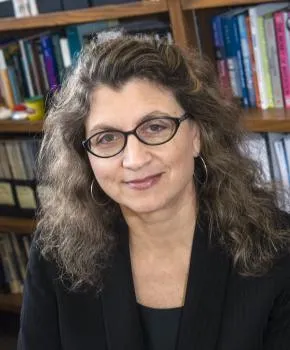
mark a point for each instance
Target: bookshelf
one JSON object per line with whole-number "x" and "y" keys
{"x": 202, "y": 4}
{"x": 185, "y": 28}
{"x": 17, "y": 225}
{"x": 10, "y": 302}
{"x": 82, "y": 16}
{"x": 23, "y": 126}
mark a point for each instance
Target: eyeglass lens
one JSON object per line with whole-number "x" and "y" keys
{"x": 152, "y": 132}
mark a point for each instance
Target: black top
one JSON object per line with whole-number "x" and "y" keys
{"x": 160, "y": 327}
{"x": 223, "y": 310}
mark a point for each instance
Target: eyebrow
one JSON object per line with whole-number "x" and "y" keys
{"x": 103, "y": 126}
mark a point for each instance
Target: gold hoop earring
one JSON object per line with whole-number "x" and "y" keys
{"x": 205, "y": 171}
{"x": 93, "y": 197}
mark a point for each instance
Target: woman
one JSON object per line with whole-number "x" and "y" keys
{"x": 155, "y": 230}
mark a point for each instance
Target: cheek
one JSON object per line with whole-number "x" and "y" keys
{"x": 102, "y": 169}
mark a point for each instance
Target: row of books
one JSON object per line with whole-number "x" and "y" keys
{"x": 35, "y": 66}
{"x": 252, "y": 46}
{"x": 18, "y": 193}
{"x": 14, "y": 253}
{"x": 272, "y": 152}
{"x": 24, "y": 8}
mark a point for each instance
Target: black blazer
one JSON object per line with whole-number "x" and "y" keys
{"x": 222, "y": 311}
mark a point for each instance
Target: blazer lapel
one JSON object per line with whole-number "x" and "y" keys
{"x": 121, "y": 319}
{"x": 206, "y": 288}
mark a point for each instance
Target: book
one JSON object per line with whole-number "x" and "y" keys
{"x": 283, "y": 35}
{"x": 21, "y": 8}
{"x": 272, "y": 55}
{"x": 220, "y": 55}
{"x": 49, "y": 60}
{"x": 9, "y": 265}
{"x": 245, "y": 48}
{"x": 27, "y": 73}
{"x": 231, "y": 49}
{"x": 6, "y": 87}
{"x": 263, "y": 74}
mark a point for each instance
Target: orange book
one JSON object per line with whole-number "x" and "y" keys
{"x": 255, "y": 79}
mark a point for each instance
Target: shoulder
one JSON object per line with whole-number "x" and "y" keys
{"x": 40, "y": 267}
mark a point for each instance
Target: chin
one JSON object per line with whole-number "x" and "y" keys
{"x": 145, "y": 206}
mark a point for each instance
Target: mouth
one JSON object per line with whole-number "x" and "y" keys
{"x": 144, "y": 183}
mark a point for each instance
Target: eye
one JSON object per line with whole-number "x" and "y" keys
{"x": 156, "y": 127}
{"x": 106, "y": 138}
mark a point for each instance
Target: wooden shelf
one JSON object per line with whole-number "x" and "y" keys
{"x": 22, "y": 126}
{"x": 17, "y": 225}
{"x": 96, "y": 13}
{"x": 10, "y": 302}
{"x": 203, "y": 4}
{"x": 271, "y": 120}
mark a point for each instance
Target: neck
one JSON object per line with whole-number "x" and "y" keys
{"x": 166, "y": 229}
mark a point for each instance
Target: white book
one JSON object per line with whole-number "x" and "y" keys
{"x": 282, "y": 162}
{"x": 33, "y": 7}
{"x": 21, "y": 8}
{"x": 66, "y": 57}
{"x": 254, "y": 14}
{"x": 15, "y": 160}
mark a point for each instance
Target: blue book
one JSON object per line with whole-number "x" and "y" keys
{"x": 231, "y": 49}
{"x": 220, "y": 54}
{"x": 14, "y": 85}
{"x": 49, "y": 61}
{"x": 237, "y": 43}
{"x": 244, "y": 40}
{"x": 74, "y": 41}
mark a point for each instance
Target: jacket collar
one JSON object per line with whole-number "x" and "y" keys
{"x": 205, "y": 294}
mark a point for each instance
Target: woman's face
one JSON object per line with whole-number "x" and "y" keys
{"x": 143, "y": 178}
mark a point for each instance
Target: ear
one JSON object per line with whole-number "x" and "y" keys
{"x": 195, "y": 140}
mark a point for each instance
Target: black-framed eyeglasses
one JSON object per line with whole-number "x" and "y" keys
{"x": 153, "y": 132}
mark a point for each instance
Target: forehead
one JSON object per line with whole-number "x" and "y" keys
{"x": 125, "y": 106}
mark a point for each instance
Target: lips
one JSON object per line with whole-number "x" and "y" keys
{"x": 144, "y": 183}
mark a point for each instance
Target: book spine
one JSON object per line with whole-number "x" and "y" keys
{"x": 14, "y": 85}
{"x": 49, "y": 60}
{"x": 220, "y": 55}
{"x": 26, "y": 69}
{"x": 19, "y": 256}
{"x": 280, "y": 26}
{"x": 247, "y": 59}
{"x": 9, "y": 265}
{"x": 265, "y": 63}
{"x": 33, "y": 67}
{"x": 33, "y": 7}
{"x": 237, "y": 42}
{"x": 18, "y": 72}
{"x": 273, "y": 61}
{"x": 74, "y": 41}
{"x": 65, "y": 52}
{"x": 58, "y": 55}
{"x": 253, "y": 62}
{"x": 281, "y": 156}
{"x": 6, "y": 85}
{"x": 231, "y": 55}
{"x": 264, "y": 102}
{"x": 21, "y": 8}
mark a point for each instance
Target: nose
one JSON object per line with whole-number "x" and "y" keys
{"x": 136, "y": 154}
